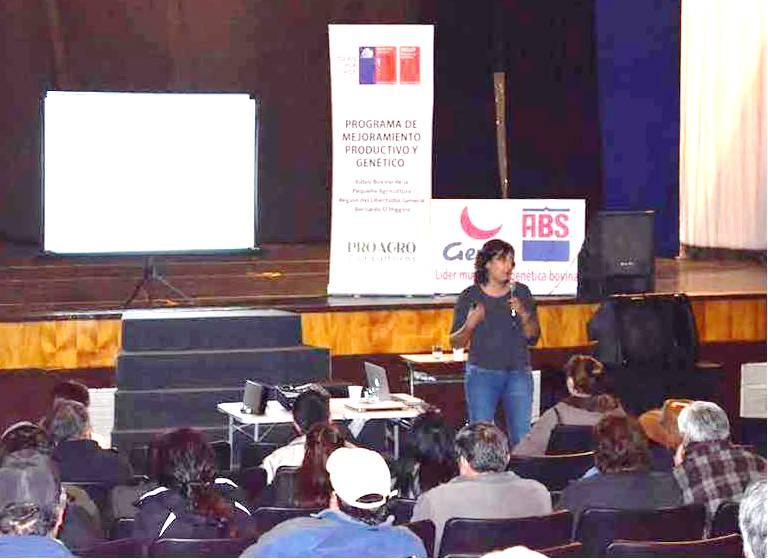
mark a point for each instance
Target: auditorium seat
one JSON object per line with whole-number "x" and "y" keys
{"x": 723, "y": 546}
{"x": 401, "y": 509}
{"x": 477, "y": 536}
{"x": 726, "y": 519}
{"x": 118, "y": 548}
{"x": 573, "y": 549}
{"x": 267, "y": 518}
{"x": 553, "y": 471}
{"x": 570, "y": 439}
{"x": 121, "y": 528}
{"x": 425, "y": 529}
{"x": 176, "y": 547}
{"x": 285, "y": 486}
{"x": 597, "y": 528}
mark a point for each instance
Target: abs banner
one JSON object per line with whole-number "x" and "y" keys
{"x": 546, "y": 235}
{"x": 382, "y": 96}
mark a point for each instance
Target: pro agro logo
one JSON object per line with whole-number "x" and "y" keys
{"x": 379, "y": 65}
{"x": 473, "y": 231}
{"x": 545, "y": 235}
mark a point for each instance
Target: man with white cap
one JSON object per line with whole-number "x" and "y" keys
{"x": 32, "y": 505}
{"x": 355, "y": 524}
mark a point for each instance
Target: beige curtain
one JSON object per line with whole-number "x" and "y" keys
{"x": 722, "y": 124}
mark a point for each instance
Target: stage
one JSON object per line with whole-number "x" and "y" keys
{"x": 64, "y": 312}
{"x": 61, "y": 317}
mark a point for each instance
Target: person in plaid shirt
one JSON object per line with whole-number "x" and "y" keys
{"x": 708, "y": 468}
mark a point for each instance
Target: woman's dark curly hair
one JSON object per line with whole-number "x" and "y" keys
{"x": 620, "y": 445}
{"x": 428, "y": 457}
{"x": 588, "y": 376}
{"x": 183, "y": 460}
{"x": 491, "y": 249}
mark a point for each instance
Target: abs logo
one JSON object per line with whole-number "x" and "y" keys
{"x": 545, "y": 235}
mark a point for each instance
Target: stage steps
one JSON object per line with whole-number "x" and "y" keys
{"x": 177, "y": 364}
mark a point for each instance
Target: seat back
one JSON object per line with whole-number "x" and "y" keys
{"x": 573, "y": 549}
{"x": 425, "y": 529}
{"x": 570, "y": 439}
{"x": 138, "y": 456}
{"x": 553, "y": 471}
{"x": 286, "y": 486}
{"x": 401, "y": 509}
{"x": 254, "y": 454}
{"x": 253, "y": 481}
{"x": 723, "y": 546}
{"x": 117, "y": 548}
{"x": 98, "y": 492}
{"x": 479, "y": 536}
{"x": 222, "y": 455}
{"x": 726, "y": 519}
{"x": 121, "y": 528}
{"x": 267, "y": 518}
{"x": 597, "y": 528}
{"x": 177, "y": 547}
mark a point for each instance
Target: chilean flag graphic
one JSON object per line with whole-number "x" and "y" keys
{"x": 378, "y": 65}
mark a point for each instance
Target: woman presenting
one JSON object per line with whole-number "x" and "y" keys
{"x": 497, "y": 318}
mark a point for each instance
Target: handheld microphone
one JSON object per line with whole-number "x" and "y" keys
{"x": 513, "y": 312}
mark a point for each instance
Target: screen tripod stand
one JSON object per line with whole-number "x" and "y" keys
{"x": 150, "y": 276}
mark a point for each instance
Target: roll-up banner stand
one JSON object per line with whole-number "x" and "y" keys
{"x": 382, "y": 98}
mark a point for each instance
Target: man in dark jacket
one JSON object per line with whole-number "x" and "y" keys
{"x": 80, "y": 458}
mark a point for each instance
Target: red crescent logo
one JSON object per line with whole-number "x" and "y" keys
{"x": 473, "y": 231}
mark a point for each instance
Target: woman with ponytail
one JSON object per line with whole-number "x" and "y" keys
{"x": 588, "y": 402}
{"x": 314, "y": 482}
{"x": 190, "y": 501}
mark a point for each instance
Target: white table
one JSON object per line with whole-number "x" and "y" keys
{"x": 275, "y": 414}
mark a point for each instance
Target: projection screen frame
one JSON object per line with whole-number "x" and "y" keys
{"x": 255, "y": 249}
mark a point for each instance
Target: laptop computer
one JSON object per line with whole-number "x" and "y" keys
{"x": 378, "y": 384}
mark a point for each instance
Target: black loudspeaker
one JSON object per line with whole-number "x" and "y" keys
{"x": 255, "y": 398}
{"x": 618, "y": 255}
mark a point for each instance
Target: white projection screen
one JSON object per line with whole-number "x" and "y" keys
{"x": 148, "y": 172}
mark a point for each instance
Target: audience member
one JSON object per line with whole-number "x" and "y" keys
{"x": 625, "y": 480}
{"x": 428, "y": 457}
{"x": 587, "y": 404}
{"x": 32, "y": 505}
{"x": 660, "y": 426}
{"x": 314, "y": 484}
{"x": 190, "y": 502}
{"x": 77, "y": 392}
{"x": 355, "y": 523}
{"x": 752, "y": 521}
{"x": 483, "y": 488}
{"x": 82, "y": 524}
{"x": 24, "y": 435}
{"x": 708, "y": 468}
{"x": 71, "y": 390}
{"x": 312, "y": 407}
{"x": 80, "y": 458}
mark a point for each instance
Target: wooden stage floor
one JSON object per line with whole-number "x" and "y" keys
{"x": 64, "y": 312}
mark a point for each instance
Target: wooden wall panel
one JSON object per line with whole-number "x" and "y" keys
{"x": 398, "y": 331}
{"x": 89, "y": 343}
{"x": 719, "y": 320}
{"x": 59, "y": 344}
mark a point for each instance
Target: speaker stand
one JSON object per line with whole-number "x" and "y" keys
{"x": 150, "y": 276}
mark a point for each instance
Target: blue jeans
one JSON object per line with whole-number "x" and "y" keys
{"x": 483, "y": 388}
